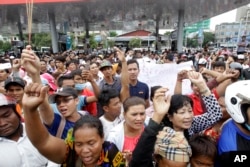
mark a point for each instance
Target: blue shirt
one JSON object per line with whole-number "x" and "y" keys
{"x": 140, "y": 90}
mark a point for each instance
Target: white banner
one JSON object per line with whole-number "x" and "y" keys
{"x": 164, "y": 75}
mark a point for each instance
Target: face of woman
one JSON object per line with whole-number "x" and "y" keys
{"x": 168, "y": 163}
{"x": 94, "y": 68}
{"x": 201, "y": 161}
{"x": 183, "y": 118}
{"x": 88, "y": 145}
{"x": 135, "y": 116}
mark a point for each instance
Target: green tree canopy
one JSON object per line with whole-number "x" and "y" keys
{"x": 112, "y": 34}
{"x": 5, "y": 46}
{"x": 208, "y": 37}
{"x": 135, "y": 43}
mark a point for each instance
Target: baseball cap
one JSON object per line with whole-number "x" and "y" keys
{"x": 50, "y": 79}
{"x": 6, "y": 100}
{"x": 241, "y": 56}
{"x": 235, "y": 65}
{"x": 14, "y": 80}
{"x": 105, "y": 63}
{"x": 65, "y": 91}
{"x": 172, "y": 145}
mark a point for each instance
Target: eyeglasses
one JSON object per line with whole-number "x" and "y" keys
{"x": 63, "y": 100}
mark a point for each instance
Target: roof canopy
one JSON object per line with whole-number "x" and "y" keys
{"x": 14, "y": 2}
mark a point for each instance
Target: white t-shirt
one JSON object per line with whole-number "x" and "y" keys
{"x": 108, "y": 125}
{"x": 21, "y": 154}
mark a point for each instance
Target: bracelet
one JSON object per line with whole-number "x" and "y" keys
{"x": 204, "y": 91}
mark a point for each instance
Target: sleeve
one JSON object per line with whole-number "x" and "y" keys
{"x": 213, "y": 114}
{"x": 82, "y": 102}
{"x": 147, "y": 92}
{"x": 55, "y": 125}
{"x": 142, "y": 154}
{"x": 212, "y": 84}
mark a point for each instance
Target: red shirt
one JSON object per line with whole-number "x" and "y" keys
{"x": 91, "y": 107}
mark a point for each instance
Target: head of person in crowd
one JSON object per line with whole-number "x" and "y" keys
{"x": 88, "y": 133}
{"x": 195, "y": 87}
{"x": 180, "y": 114}
{"x": 46, "y": 58}
{"x": 204, "y": 151}
{"x": 182, "y": 56}
{"x": 133, "y": 69}
{"x": 238, "y": 104}
{"x": 59, "y": 61}
{"x": 4, "y": 72}
{"x": 219, "y": 66}
{"x": 109, "y": 56}
{"x": 134, "y": 113}
{"x": 243, "y": 38}
{"x": 14, "y": 87}
{"x": 11, "y": 127}
{"x": 72, "y": 65}
{"x": 66, "y": 81}
{"x": 240, "y": 58}
{"x": 51, "y": 82}
{"x": 94, "y": 68}
{"x": 171, "y": 149}
{"x": 72, "y": 55}
{"x": 225, "y": 115}
{"x": 80, "y": 83}
{"x": 52, "y": 63}
{"x": 66, "y": 100}
{"x": 152, "y": 91}
{"x": 169, "y": 58}
{"x": 43, "y": 65}
{"x": 202, "y": 63}
{"x": 106, "y": 68}
{"x": 110, "y": 102}
{"x": 238, "y": 68}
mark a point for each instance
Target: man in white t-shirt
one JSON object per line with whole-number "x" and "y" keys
{"x": 111, "y": 105}
{"x": 16, "y": 148}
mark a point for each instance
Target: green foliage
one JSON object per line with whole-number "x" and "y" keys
{"x": 111, "y": 43}
{"x": 192, "y": 42}
{"x": 93, "y": 44}
{"x": 135, "y": 43}
{"x": 208, "y": 37}
{"x": 39, "y": 39}
{"x": 113, "y": 34}
{"x": 167, "y": 33}
{"x": 5, "y": 46}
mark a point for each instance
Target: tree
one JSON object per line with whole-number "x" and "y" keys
{"x": 208, "y": 37}
{"x": 92, "y": 42}
{"x": 112, "y": 34}
{"x": 111, "y": 43}
{"x": 192, "y": 42}
{"x": 135, "y": 43}
{"x": 5, "y": 46}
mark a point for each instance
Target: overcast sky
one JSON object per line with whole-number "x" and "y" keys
{"x": 227, "y": 17}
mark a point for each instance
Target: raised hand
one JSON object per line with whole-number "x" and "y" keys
{"x": 30, "y": 61}
{"x": 86, "y": 75}
{"x": 182, "y": 75}
{"x": 120, "y": 54}
{"x": 196, "y": 78}
{"x": 34, "y": 96}
{"x": 16, "y": 64}
{"x": 161, "y": 102}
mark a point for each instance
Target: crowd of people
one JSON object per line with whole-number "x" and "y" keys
{"x": 75, "y": 109}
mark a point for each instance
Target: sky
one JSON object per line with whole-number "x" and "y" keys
{"x": 227, "y": 17}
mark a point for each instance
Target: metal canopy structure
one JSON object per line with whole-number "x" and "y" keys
{"x": 116, "y": 14}
{"x": 106, "y": 11}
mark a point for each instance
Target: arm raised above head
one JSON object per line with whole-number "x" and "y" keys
{"x": 51, "y": 147}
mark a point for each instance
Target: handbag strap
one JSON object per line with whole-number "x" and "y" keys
{"x": 61, "y": 127}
